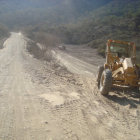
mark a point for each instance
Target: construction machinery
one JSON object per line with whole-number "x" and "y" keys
{"x": 120, "y": 68}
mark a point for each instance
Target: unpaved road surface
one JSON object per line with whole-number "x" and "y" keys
{"x": 80, "y": 59}
{"x": 43, "y": 101}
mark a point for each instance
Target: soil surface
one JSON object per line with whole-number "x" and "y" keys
{"x": 42, "y": 100}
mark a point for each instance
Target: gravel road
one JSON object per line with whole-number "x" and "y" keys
{"x": 44, "y": 101}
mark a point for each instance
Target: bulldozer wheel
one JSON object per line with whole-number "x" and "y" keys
{"x": 139, "y": 72}
{"x": 106, "y": 82}
{"x": 100, "y": 71}
{"x": 136, "y": 89}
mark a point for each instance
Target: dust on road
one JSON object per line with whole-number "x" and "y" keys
{"x": 43, "y": 101}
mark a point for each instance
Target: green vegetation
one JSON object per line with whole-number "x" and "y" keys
{"x": 119, "y": 20}
{"x": 23, "y": 13}
{"x": 4, "y": 33}
{"x": 88, "y": 22}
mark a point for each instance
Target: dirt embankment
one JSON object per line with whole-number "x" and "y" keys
{"x": 2, "y": 40}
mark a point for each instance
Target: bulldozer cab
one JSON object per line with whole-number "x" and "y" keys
{"x": 117, "y": 51}
{"x": 121, "y": 60}
{"x": 120, "y": 68}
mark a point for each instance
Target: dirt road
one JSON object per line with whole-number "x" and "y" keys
{"x": 80, "y": 59}
{"x": 43, "y": 101}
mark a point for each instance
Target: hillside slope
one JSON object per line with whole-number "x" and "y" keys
{"x": 118, "y": 20}
{"x": 89, "y": 22}
{"x": 30, "y": 12}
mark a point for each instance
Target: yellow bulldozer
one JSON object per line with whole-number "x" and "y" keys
{"x": 120, "y": 68}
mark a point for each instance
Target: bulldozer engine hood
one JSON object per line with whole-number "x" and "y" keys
{"x": 128, "y": 65}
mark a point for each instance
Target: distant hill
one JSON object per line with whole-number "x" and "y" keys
{"x": 31, "y": 12}
{"x": 117, "y": 19}
{"x": 89, "y": 22}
